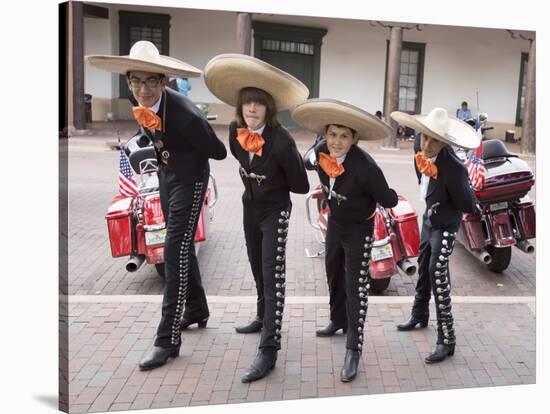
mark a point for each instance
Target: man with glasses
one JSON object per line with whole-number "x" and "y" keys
{"x": 184, "y": 141}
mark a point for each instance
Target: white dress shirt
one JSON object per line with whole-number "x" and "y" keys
{"x": 425, "y": 182}
{"x": 258, "y": 131}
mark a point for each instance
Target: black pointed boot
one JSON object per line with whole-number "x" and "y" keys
{"x": 262, "y": 364}
{"x": 254, "y": 326}
{"x": 351, "y": 361}
{"x": 440, "y": 352}
{"x": 158, "y": 357}
{"x": 415, "y": 319}
{"x": 330, "y": 329}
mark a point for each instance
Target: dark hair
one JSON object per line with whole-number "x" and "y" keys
{"x": 160, "y": 75}
{"x": 379, "y": 114}
{"x": 247, "y": 95}
{"x": 353, "y": 131}
{"x": 464, "y": 103}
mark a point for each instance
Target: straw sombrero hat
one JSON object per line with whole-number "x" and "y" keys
{"x": 316, "y": 114}
{"x": 225, "y": 75}
{"x": 145, "y": 57}
{"x": 439, "y": 125}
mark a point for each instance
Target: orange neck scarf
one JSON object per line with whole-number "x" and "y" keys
{"x": 425, "y": 165}
{"x": 330, "y": 165}
{"x": 146, "y": 118}
{"x": 250, "y": 141}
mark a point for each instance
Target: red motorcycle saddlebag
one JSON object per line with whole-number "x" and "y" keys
{"x": 406, "y": 225}
{"x": 472, "y": 229}
{"x": 526, "y": 220}
{"x": 119, "y": 225}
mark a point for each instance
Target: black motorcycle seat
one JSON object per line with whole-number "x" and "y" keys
{"x": 138, "y": 155}
{"x": 494, "y": 148}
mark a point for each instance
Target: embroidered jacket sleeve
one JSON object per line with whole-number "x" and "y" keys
{"x": 375, "y": 182}
{"x": 202, "y": 137}
{"x": 459, "y": 189}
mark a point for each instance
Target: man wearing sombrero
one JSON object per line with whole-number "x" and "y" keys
{"x": 270, "y": 168}
{"x": 184, "y": 142}
{"x": 353, "y": 184}
{"x": 445, "y": 187}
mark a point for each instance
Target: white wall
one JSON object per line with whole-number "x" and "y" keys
{"x": 458, "y": 61}
{"x": 461, "y": 61}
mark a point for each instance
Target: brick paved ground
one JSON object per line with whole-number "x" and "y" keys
{"x": 108, "y": 340}
{"x": 496, "y": 341}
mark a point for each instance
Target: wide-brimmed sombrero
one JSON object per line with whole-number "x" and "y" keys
{"x": 316, "y": 114}
{"x": 144, "y": 57}
{"x": 439, "y": 125}
{"x": 225, "y": 75}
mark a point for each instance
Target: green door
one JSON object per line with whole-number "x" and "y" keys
{"x": 299, "y": 66}
{"x": 296, "y": 50}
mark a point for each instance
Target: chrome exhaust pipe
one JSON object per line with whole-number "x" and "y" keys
{"x": 407, "y": 266}
{"x": 525, "y": 246}
{"x": 134, "y": 263}
{"x": 483, "y": 256}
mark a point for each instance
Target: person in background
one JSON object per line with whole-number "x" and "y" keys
{"x": 184, "y": 86}
{"x": 464, "y": 112}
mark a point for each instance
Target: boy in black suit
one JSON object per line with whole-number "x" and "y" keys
{"x": 445, "y": 187}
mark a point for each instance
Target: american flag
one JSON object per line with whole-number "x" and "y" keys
{"x": 126, "y": 183}
{"x": 476, "y": 166}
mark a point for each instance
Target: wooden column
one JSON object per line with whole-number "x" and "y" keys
{"x": 244, "y": 33}
{"x": 529, "y": 133}
{"x": 392, "y": 85}
{"x": 77, "y": 34}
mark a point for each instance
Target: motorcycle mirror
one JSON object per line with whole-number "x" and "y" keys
{"x": 310, "y": 160}
{"x": 483, "y": 117}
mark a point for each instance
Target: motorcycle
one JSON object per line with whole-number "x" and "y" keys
{"x": 396, "y": 234}
{"x": 136, "y": 223}
{"x": 506, "y": 215}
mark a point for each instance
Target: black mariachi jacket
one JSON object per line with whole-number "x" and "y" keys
{"x": 278, "y": 171}
{"x": 362, "y": 184}
{"x": 451, "y": 190}
{"x": 188, "y": 137}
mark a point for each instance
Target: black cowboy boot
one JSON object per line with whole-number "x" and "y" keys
{"x": 262, "y": 364}
{"x": 330, "y": 329}
{"x": 415, "y": 319}
{"x": 185, "y": 323}
{"x": 440, "y": 352}
{"x": 349, "y": 370}
{"x": 254, "y": 326}
{"x": 158, "y": 357}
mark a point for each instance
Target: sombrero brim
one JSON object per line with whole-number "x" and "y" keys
{"x": 459, "y": 134}
{"x": 165, "y": 65}
{"x": 225, "y": 75}
{"x": 316, "y": 114}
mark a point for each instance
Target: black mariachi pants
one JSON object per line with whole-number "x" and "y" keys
{"x": 265, "y": 234}
{"x": 181, "y": 204}
{"x": 347, "y": 258}
{"x": 436, "y": 246}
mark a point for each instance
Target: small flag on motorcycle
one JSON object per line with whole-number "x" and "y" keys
{"x": 475, "y": 164}
{"x": 126, "y": 184}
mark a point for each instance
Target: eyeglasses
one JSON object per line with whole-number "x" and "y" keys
{"x": 151, "y": 82}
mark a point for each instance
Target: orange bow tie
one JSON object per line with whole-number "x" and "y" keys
{"x": 330, "y": 166}
{"x": 250, "y": 141}
{"x": 146, "y": 118}
{"x": 425, "y": 165}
